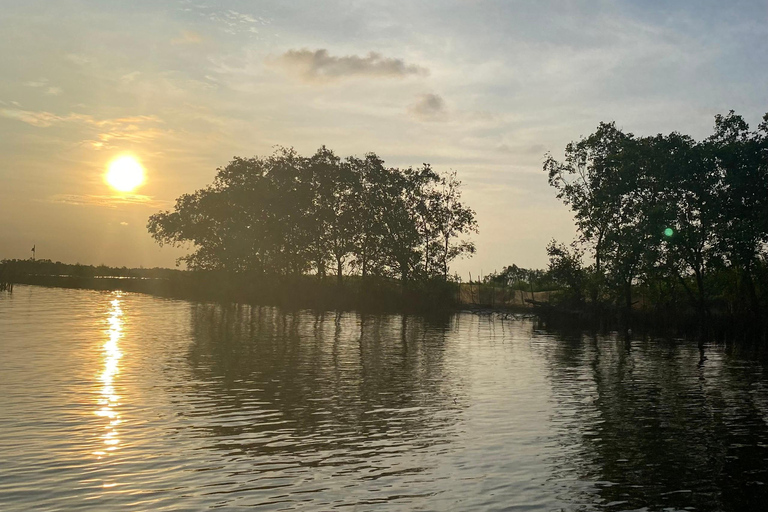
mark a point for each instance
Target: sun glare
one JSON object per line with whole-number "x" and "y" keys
{"x": 125, "y": 174}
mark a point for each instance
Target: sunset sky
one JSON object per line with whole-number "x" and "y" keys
{"x": 481, "y": 87}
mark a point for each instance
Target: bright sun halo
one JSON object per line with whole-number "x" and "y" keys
{"x": 125, "y": 174}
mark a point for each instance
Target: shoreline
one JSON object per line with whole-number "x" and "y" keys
{"x": 379, "y": 296}
{"x": 424, "y": 298}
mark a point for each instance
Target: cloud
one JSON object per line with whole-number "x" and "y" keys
{"x": 114, "y": 132}
{"x": 43, "y": 82}
{"x": 233, "y": 22}
{"x": 187, "y": 37}
{"x": 243, "y": 18}
{"x": 104, "y": 133}
{"x": 37, "y": 83}
{"x": 429, "y": 107}
{"x": 319, "y": 65}
{"x": 76, "y": 58}
{"x": 107, "y": 201}
{"x": 130, "y": 77}
{"x": 39, "y": 119}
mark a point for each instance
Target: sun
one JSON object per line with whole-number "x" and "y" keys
{"x": 125, "y": 174}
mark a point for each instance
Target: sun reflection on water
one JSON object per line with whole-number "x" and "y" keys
{"x": 108, "y": 399}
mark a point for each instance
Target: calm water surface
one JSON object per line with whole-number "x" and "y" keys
{"x": 113, "y": 401}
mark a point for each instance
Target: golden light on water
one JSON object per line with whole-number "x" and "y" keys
{"x": 108, "y": 399}
{"x": 125, "y": 174}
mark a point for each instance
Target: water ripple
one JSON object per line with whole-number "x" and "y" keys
{"x": 124, "y": 401}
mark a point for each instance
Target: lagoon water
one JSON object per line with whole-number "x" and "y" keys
{"x": 115, "y": 401}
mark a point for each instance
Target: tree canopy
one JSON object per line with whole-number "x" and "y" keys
{"x": 290, "y": 214}
{"x": 668, "y": 210}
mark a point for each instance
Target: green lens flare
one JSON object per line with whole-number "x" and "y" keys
{"x": 669, "y": 232}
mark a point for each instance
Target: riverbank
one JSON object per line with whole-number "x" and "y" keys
{"x": 376, "y": 295}
{"x": 300, "y": 292}
{"x": 380, "y": 295}
{"x": 373, "y": 294}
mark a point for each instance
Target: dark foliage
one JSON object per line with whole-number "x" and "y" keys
{"x": 676, "y": 227}
{"x": 289, "y": 215}
{"x": 15, "y": 268}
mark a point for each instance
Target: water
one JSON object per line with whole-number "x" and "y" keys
{"x": 112, "y": 401}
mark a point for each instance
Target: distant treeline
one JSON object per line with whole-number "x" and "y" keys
{"x": 11, "y": 268}
{"x": 290, "y": 215}
{"x": 524, "y": 279}
{"x": 674, "y": 227}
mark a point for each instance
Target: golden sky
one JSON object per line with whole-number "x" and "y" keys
{"x": 485, "y": 88}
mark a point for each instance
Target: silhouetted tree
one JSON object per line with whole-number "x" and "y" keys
{"x": 740, "y": 160}
{"x": 566, "y": 268}
{"x": 451, "y": 219}
{"x": 370, "y": 179}
{"x": 654, "y": 208}
{"x": 288, "y": 214}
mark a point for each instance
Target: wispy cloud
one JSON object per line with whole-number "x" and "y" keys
{"x": 79, "y": 59}
{"x": 429, "y": 107}
{"x": 187, "y": 37}
{"x": 319, "y": 65}
{"x": 37, "y": 83}
{"x": 232, "y": 22}
{"x": 40, "y": 119}
{"x": 134, "y": 129}
{"x": 43, "y": 82}
{"x": 105, "y": 133}
{"x": 107, "y": 201}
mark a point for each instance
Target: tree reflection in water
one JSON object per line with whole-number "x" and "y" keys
{"x": 366, "y": 403}
{"x": 364, "y": 394}
{"x": 650, "y": 426}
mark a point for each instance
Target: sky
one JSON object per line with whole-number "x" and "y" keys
{"x": 485, "y": 88}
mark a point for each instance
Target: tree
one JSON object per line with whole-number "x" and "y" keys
{"x": 404, "y": 195}
{"x": 652, "y": 208}
{"x": 288, "y": 214}
{"x": 740, "y": 160}
{"x": 333, "y": 208}
{"x": 451, "y": 219}
{"x": 580, "y": 183}
{"x": 256, "y": 216}
{"x": 601, "y": 181}
{"x": 370, "y": 179}
{"x": 567, "y": 269}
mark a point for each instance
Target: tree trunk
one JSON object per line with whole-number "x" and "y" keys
{"x": 595, "y": 292}
{"x": 628, "y": 301}
{"x": 445, "y": 259}
{"x": 703, "y": 307}
{"x": 749, "y": 283}
{"x": 320, "y": 268}
{"x": 364, "y": 257}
